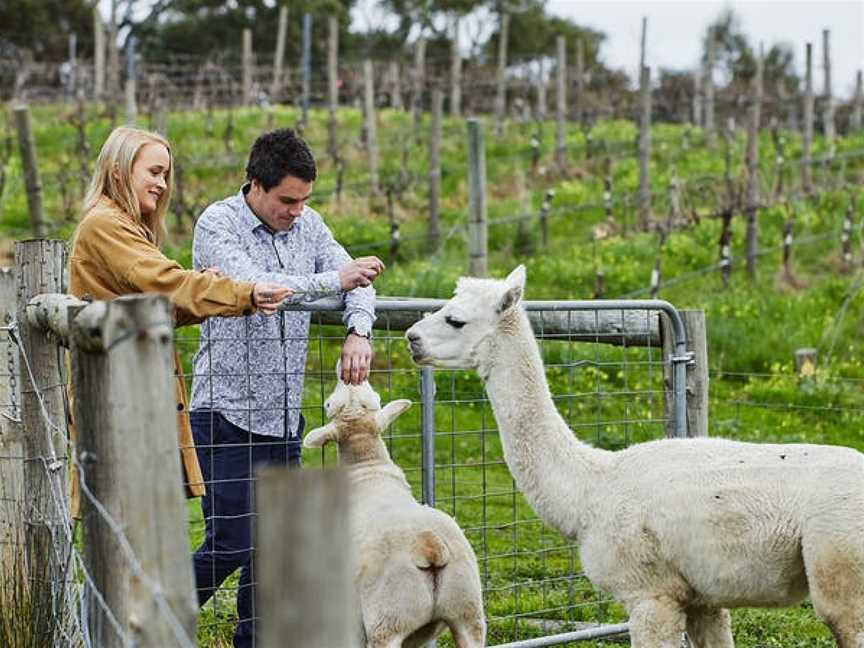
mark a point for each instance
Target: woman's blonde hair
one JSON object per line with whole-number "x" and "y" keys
{"x": 113, "y": 178}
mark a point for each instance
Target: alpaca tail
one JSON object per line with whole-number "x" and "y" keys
{"x": 430, "y": 553}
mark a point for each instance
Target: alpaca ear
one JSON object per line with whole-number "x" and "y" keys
{"x": 319, "y": 437}
{"x": 515, "y": 283}
{"x": 391, "y": 412}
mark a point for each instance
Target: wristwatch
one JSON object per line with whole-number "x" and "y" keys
{"x": 353, "y": 329}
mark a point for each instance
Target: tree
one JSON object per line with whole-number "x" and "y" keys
{"x": 43, "y": 27}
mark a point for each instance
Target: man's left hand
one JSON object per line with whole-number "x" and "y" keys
{"x": 356, "y": 359}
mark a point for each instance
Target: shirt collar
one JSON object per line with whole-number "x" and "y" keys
{"x": 251, "y": 221}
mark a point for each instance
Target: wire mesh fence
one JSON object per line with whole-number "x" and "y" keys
{"x": 606, "y": 372}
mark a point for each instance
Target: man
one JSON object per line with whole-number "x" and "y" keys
{"x": 248, "y": 372}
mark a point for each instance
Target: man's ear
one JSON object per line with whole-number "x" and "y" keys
{"x": 390, "y": 412}
{"x": 319, "y": 437}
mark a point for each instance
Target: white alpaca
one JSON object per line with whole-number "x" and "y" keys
{"x": 416, "y": 573}
{"x": 678, "y": 530}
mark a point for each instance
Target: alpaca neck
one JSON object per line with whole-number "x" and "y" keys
{"x": 552, "y": 468}
{"x": 367, "y": 458}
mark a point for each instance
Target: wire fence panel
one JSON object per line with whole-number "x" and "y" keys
{"x": 606, "y": 373}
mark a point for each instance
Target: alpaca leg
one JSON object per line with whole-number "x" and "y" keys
{"x": 835, "y": 574}
{"x": 709, "y": 628}
{"x": 656, "y": 623}
{"x": 470, "y": 634}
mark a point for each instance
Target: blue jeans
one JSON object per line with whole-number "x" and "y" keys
{"x": 229, "y": 456}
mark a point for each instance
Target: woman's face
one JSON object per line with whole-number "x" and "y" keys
{"x": 150, "y": 176}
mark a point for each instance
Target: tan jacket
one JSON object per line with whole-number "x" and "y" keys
{"x": 112, "y": 255}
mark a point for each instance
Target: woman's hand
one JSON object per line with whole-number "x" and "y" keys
{"x": 266, "y": 297}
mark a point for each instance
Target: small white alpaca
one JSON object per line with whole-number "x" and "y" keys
{"x": 678, "y": 530}
{"x": 415, "y": 573}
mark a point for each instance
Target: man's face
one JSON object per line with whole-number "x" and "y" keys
{"x": 283, "y": 204}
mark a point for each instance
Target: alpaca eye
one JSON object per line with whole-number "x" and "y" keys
{"x": 454, "y": 322}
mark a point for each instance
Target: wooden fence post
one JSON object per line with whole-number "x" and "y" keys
{"x": 477, "y": 223}
{"x": 455, "y": 69}
{"x": 98, "y": 55}
{"x": 131, "y": 82}
{"x": 332, "y": 84}
{"x": 395, "y": 86}
{"x": 434, "y": 230}
{"x": 305, "y": 595}
{"x": 32, "y": 181}
{"x": 279, "y": 56}
{"x": 708, "y": 80}
{"x": 828, "y": 112}
{"x": 11, "y": 450}
{"x": 807, "y": 135}
{"x": 306, "y": 67}
{"x": 561, "y": 105}
{"x": 113, "y": 88}
{"x": 419, "y": 82}
{"x": 501, "y": 80}
{"x": 752, "y": 163}
{"x": 697, "y": 373}
{"x": 39, "y": 267}
{"x": 247, "y": 66}
{"x": 122, "y": 359}
{"x": 645, "y": 149}
{"x": 542, "y": 108}
{"x": 371, "y": 124}
{"x": 857, "y": 103}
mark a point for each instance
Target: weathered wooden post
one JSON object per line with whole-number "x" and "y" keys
{"x": 561, "y": 105}
{"x": 113, "y": 88}
{"x": 708, "y": 88}
{"x": 645, "y": 149}
{"x": 135, "y": 542}
{"x": 247, "y": 66}
{"x": 12, "y": 502}
{"x": 98, "y": 55}
{"x": 39, "y": 266}
{"x": 395, "y": 87}
{"x": 752, "y": 163}
{"x": 477, "y": 223}
{"x": 857, "y": 103}
{"x": 131, "y": 87}
{"x": 419, "y": 83}
{"x": 501, "y": 80}
{"x": 332, "y": 84}
{"x": 293, "y": 586}
{"x": 371, "y": 124}
{"x": 542, "y": 108}
{"x": 434, "y": 229}
{"x": 306, "y": 66}
{"x": 697, "y": 373}
{"x": 696, "y": 99}
{"x": 32, "y": 181}
{"x": 279, "y": 56}
{"x": 455, "y": 68}
{"x": 828, "y": 108}
{"x": 807, "y": 135}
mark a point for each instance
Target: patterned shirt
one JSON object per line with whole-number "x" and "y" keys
{"x": 250, "y": 369}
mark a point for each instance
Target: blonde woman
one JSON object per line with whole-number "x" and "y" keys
{"x": 115, "y": 251}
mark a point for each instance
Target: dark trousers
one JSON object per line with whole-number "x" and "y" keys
{"x": 229, "y": 456}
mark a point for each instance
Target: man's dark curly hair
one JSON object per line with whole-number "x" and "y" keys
{"x": 277, "y": 154}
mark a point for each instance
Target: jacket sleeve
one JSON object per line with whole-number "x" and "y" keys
{"x": 139, "y": 266}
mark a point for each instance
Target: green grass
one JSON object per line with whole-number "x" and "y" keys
{"x": 754, "y": 325}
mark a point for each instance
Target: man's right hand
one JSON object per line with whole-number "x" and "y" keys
{"x": 360, "y": 272}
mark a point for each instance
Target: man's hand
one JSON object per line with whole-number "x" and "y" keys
{"x": 360, "y": 272}
{"x": 268, "y": 296}
{"x": 356, "y": 359}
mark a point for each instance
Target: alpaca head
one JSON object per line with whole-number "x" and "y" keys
{"x": 455, "y": 335}
{"x": 355, "y": 415}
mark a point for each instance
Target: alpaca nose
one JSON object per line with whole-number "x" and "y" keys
{"x": 411, "y": 336}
